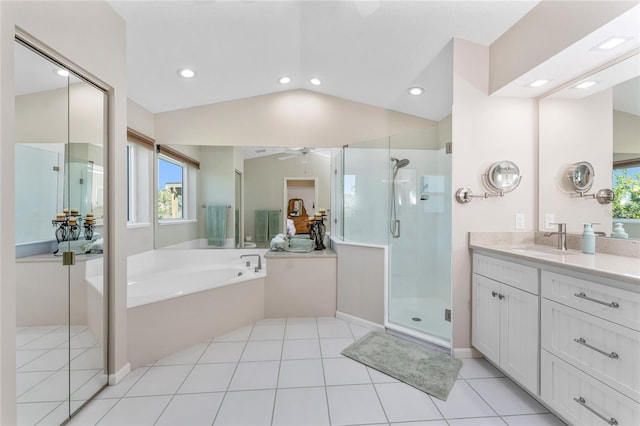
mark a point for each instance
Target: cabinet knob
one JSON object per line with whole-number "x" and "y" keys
{"x": 500, "y": 296}
{"x": 494, "y": 293}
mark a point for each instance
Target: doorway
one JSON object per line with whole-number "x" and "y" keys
{"x": 300, "y": 201}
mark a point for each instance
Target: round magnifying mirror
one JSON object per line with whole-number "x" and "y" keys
{"x": 581, "y": 176}
{"x": 503, "y": 176}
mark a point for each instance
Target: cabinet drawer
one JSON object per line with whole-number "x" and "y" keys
{"x": 516, "y": 275}
{"x": 610, "y": 303}
{"x": 562, "y": 384}
{"x": 607, "y": 351}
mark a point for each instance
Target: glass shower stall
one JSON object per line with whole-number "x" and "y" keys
{"x": 395, "y": 192}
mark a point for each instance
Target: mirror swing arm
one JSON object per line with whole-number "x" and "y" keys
{"x": 500, "y": 178}
{"x": 580, "y": 176}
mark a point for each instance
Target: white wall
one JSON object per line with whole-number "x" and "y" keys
{"x": 574, "y": 130}
{"x": 626, "y": 134}
{"x": 485, "y": 130}
{"x": 92, "y": 37}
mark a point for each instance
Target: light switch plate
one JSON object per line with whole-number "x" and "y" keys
{"x": 519, "y": 220}
{"x": 549, "y": 219}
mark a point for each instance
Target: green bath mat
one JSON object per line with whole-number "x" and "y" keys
{"x": 430, "y": 371}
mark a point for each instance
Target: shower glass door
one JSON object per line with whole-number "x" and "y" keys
{"x": 419, "y": 238}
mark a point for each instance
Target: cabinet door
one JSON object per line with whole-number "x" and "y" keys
{"x": 519, "y": 346}
{"x": 485, "y": 330}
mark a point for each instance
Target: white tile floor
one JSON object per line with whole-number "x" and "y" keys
{"x": 42, "y": 377}
{"x": 290, "y": 372}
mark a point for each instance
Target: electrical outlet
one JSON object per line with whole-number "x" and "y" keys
{"x": 549, "y": 220}
{"x": 519, "y": 220}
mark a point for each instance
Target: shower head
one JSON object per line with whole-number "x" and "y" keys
{"x": 400, "y": 163}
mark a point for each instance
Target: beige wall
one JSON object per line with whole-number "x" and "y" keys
{"x": 92, "y": 36}
{"x": 485, "y": 129}
{"x": 361, "y": 289}
{"x": 140, "y": 237}
{"x": 546, "y": 30}
{"x": 217, "y": 184}
{"x": 292, "y": 119}
{"x": 264, "y": 184}
{"x": 573, "y": 131}
{"x": 626, "y": 134}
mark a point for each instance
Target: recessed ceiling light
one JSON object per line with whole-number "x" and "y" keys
{"x": 62, "y": 72}
{"x": 315, "y": 81}
{"x": 537, "y": 83}
{"x": 415, "y": 91}
{"x": 612, "y": 43}
{"x": 284, "y": 80}
{"x": 186, "y": 73}
{"x": 584, "y": 85}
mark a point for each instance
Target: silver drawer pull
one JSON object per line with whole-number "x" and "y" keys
{"x": 583, "y": 342}
{"x": 580, "y": 400}
{"x": 584, "y": 296}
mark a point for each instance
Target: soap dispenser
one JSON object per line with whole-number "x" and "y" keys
{"x": 588, "y": 239}
{"x": 618, "y": 231}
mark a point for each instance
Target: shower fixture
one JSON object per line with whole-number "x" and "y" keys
{"x": 394, "y": 225}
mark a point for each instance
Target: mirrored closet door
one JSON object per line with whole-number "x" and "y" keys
{"x": 61, "y": 298}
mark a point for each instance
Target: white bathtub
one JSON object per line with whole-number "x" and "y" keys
{"x": 162, "y": 274}
{"x": 177, "y": 298}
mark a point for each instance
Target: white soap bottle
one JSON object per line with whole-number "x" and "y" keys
{"x": 588, "y": 239}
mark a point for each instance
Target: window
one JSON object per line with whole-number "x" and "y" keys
{"x": 176, "y": 190}
{"x": 171, "y": 183}
{"x": 626, "y": 189}
{"x": 139, "y": 178}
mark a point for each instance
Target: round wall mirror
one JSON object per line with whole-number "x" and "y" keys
{"x": 581, "y": 176}
{"x": 503, "y": 176}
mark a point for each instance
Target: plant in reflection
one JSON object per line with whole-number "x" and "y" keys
{"x": 626, "y": 188}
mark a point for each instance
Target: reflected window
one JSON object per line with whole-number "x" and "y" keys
{"x": 171, "y": 187}
{"x": 626, "y": 189}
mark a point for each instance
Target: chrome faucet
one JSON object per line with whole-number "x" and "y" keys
{"x": 562, "y": 235}
{"x": 259, "y": 267}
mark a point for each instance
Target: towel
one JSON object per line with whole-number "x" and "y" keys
{"x": 216, "y": 225}
{"x": 274, "y": 222}
{"x": 262, "y": 225}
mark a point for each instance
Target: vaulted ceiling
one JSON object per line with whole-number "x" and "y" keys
{"x": 365, "y": 51}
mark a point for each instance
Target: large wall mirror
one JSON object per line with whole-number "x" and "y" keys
{"x": 247, "y": 180}
{"x": 60, "y": 177}
{"x": 595, "y": 120}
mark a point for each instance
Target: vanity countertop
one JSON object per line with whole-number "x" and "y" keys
{"x": 315, "y": 254}
{"x": 619, "y": 268}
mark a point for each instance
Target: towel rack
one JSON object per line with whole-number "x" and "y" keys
{"x": 204, "y": 206}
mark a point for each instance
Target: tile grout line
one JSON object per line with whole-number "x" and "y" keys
{"x": 324, "y": 376}
{"x": 275, "y": 393}
{"x": 193, "y": 366}
{"x": 246, "y": 342}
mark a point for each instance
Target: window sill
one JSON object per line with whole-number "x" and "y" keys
{"x": 164, "y": 222}
{"x": 137, "y": 225}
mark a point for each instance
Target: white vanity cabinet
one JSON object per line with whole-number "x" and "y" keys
{"x": 505, "y": 324}
{"x": 590, "y": 339}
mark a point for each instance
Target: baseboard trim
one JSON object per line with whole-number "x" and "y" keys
{"x": 464, "y": 353}
{"x": 114, "y": 379}
{"x": 359, "y": 321}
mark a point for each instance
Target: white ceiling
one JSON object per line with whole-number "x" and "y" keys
{"x": 369, "y": 52}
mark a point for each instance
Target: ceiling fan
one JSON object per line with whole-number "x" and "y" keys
{"x": 301, "y": 153}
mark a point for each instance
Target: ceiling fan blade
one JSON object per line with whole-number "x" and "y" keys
{"x": 287, "y": 157}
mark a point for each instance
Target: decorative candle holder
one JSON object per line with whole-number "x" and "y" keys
{"x": 69, "y": 223}
{"x": 317, "y": 229}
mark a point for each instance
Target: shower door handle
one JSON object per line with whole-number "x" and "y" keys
{"x": 396, "y": 228}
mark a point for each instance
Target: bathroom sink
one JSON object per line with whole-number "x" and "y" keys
{"x": 543, "y": 251}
